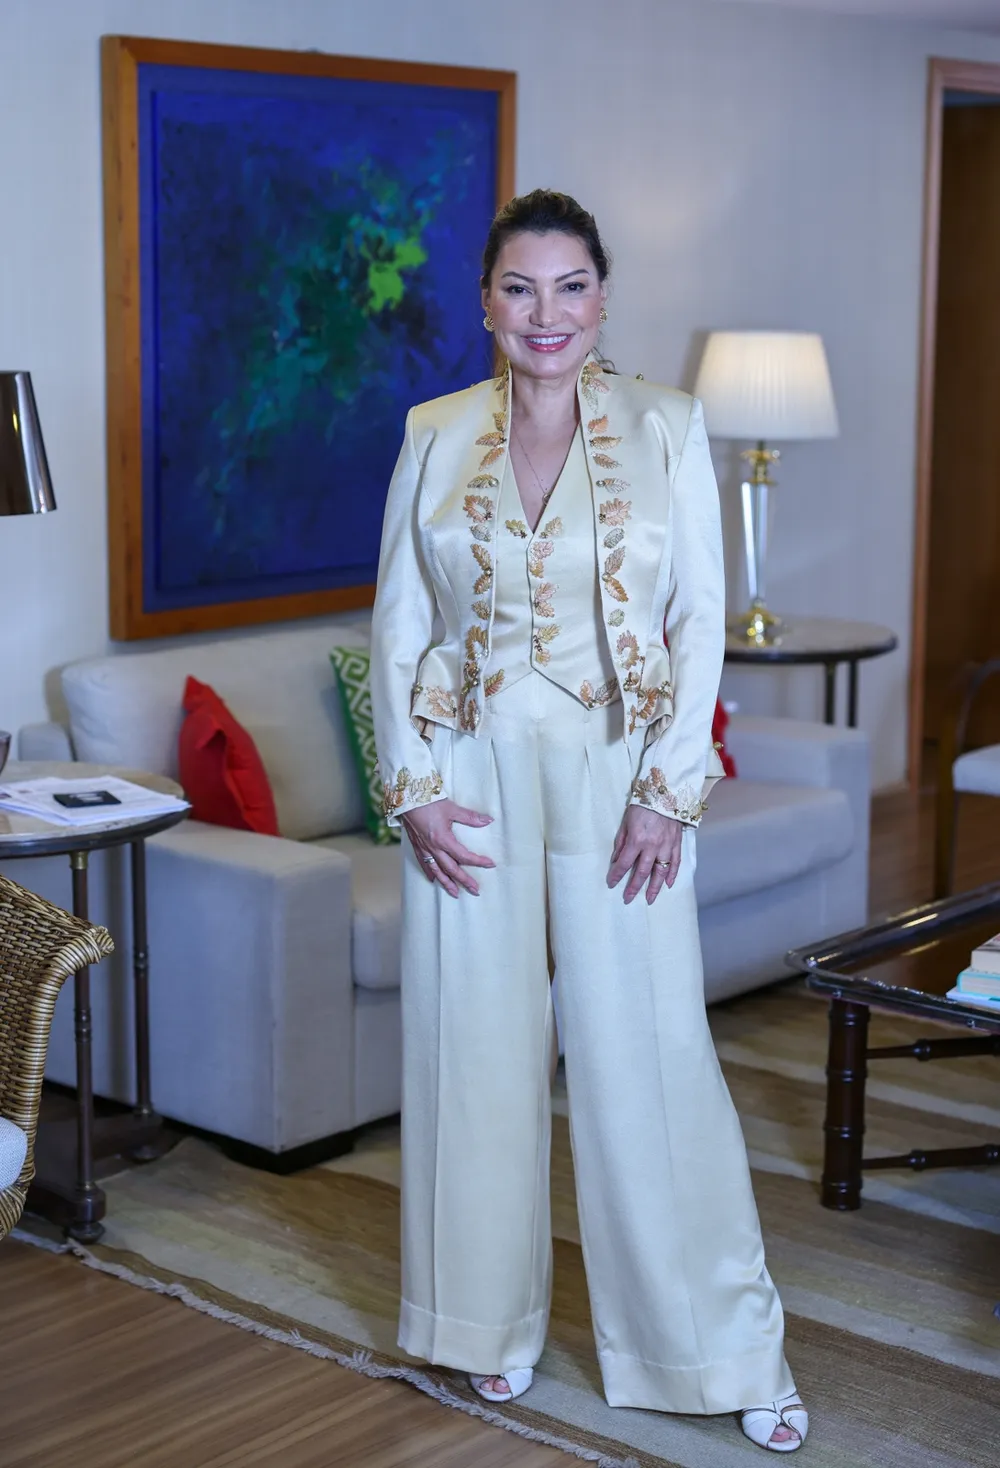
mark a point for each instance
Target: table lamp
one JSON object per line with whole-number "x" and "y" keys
{"x": 764, "y": 385}
{"x": 25, "y": 485}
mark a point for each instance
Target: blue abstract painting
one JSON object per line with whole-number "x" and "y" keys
{"x": 309, "y": 261}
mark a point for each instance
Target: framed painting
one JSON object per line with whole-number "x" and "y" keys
{"x": 292, "y": 246}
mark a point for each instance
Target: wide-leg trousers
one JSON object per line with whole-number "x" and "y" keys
{"x": 685, "y": 1315}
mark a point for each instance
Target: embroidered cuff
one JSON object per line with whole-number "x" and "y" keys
{"x": 685, "y": 804}
{"x": 408, "y": 791}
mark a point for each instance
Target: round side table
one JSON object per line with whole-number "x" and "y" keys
{"x": 64, "y": 1189}
{"x": 824, "y": 641}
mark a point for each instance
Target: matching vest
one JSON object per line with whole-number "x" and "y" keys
{"x": 547, "y": 610}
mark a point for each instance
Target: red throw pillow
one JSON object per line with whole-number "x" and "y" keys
{"x": 720, "y": 724}
{"x": 220, "y": 769}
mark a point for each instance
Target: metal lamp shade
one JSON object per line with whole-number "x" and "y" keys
{"x": 25, "y": 485}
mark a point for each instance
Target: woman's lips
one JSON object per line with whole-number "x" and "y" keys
{"x": 552, "y": 343}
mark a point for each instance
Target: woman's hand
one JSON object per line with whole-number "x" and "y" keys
{"x": 649, "y": 846}
{"x": 439, "y": 850}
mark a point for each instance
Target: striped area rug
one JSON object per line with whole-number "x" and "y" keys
{"x": 891, "y": 1333}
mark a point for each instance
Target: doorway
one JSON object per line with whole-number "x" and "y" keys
{"x": 956, "y": 608}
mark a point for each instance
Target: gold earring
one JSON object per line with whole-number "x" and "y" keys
{"x": 488, "y": 322}
{"x": 604, "y": 315}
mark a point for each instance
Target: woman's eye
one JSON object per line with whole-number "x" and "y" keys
{"x": 577, "y": 285}
{"x": 514, "y": 290}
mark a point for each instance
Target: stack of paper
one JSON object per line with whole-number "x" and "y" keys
{"x": 131, "y": 802}
{"x": 980, "y": 982}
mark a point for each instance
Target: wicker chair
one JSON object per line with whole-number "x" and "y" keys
{"x": 40, "y": 946}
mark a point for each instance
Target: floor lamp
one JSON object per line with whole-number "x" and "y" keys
{"x": 763, "y": 385}
{"x": 25, "y": 484}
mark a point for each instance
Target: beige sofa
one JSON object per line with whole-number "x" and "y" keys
{"x": 275, "y": 961}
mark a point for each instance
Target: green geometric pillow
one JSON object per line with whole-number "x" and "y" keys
{"x": 352, "y": 666}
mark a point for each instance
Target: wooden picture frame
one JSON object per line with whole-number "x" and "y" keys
{"x": 144, "y": 531}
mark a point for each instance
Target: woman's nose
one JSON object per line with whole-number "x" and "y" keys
{"x": 544, "y": 311}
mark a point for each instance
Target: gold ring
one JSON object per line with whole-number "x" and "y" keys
{"x": 658, "y": 863}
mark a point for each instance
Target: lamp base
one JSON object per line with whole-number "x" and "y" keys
{"x": 757, "y": 625}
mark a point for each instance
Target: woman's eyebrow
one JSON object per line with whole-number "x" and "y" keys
{"x": 581, "y": 270}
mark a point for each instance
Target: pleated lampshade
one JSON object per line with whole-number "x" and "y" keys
{"x": 766, "y": 385}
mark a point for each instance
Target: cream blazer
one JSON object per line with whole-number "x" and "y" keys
{"x": 658, "y": 556}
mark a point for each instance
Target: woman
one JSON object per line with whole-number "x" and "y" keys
{"x": 540, "y": 529}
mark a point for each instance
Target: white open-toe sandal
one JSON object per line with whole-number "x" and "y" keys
{"x": 503, "y": 1387}
{"x": 759, "y": 1423}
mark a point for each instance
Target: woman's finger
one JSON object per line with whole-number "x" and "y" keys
{"x": 467, "y": 817}
{"x": 623, "y": 862}
{"x": 449, "y": 868}
{"x": 640, "y": 875}
{"x": 657, "y": 878}
{"x": 461, "y": 853}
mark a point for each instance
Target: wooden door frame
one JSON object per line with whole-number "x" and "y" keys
{"x": 944, "y": 76}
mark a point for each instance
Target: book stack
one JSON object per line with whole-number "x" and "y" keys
{"x": 980, "y": 982}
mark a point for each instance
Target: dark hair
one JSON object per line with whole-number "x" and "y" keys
{"x": 544, "y": 211}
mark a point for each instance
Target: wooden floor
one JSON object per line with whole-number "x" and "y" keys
{"x": 98, "y": 1374}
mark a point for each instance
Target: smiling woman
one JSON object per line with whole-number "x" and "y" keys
{"x": 542, "y": 530}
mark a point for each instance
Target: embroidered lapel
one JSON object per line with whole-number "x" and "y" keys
{"x": 488, "y": 461}
{"x": 613, "y": 512}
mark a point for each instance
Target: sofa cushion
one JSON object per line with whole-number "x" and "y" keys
{"x": 376, "y": 903}
{"x": 126, "y": 710}
{"x": 753, "y": 836}
{"x": 220, "y": 769}
{"x": 352, "y": 667}
{"x": 756, "y": 835}
{"x": 978, "y": 772}
{"x": 13, "y": 1151}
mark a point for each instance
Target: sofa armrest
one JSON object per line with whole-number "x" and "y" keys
{"x": 799, "y": 752}
{"x": 44, "y": 741}
{"x": 251, "y": 992}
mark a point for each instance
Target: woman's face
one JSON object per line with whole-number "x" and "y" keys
{"x": 545, "y": 300}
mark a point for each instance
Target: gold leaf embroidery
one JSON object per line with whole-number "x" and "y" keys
{"x": 493, "y": 440}
{"x": 616, "y": 618}
{"x": 490, "y": 457}
{"x": 469, "y": 714}
{"x": 479, "y": 508}
{"x": 605, "y": 461}
{"x": 614, "y": 561}
{"x": 542, "y": 599}
{"x": 628, "y": 650}
{"x": 653, "y": 790}
{"x": 442, "y": 702}
{"x": 539, "y": 640}
{"x": 409, "y": 790}
{"x": 598, "y": 697}
{"x": 482, "y": 610}
{"x": 598, "y": 425}
{"x": 614, "y": 512}
{"x": 475, "y": 639}
{"x": 604, "y": 440}
{"x": 553, "y": 528}
{"x": 494, "y": 683}
{"x": 481, "y": 533}
{"x": 484, "y": 481}
{"x": 518, "y": 528}
{"x": 500, "y": 419}
{"x": 613, "y": 538}
{"x": 537, "y": 556}
{"x": 614, "y": 588}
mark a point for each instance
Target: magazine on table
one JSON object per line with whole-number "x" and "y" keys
{"x": 98, "y": 801}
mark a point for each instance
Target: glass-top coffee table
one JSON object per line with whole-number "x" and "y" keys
{"x": 904, "y": 964}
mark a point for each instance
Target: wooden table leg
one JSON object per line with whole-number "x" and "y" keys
{"x": 852, "y": 694}
{"x": 830, "y": 693}
{"x": 88, "y": 1199}
{"x": 844, "y": 1127}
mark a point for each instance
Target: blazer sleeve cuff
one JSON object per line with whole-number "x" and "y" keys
{"x": 684, "y": 799}
{"x": 403, "y": 791}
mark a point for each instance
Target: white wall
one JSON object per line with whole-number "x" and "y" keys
{"x": 751, "y": 166}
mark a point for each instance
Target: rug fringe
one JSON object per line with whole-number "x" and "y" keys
{"x": 360, "y": 1360}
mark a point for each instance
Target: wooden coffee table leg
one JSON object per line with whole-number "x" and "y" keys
{"x": 88, "y": 1200}
{"x": 844, "y": 1128}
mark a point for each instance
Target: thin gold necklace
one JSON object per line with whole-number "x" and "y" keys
{"x": 546, "y": 493}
